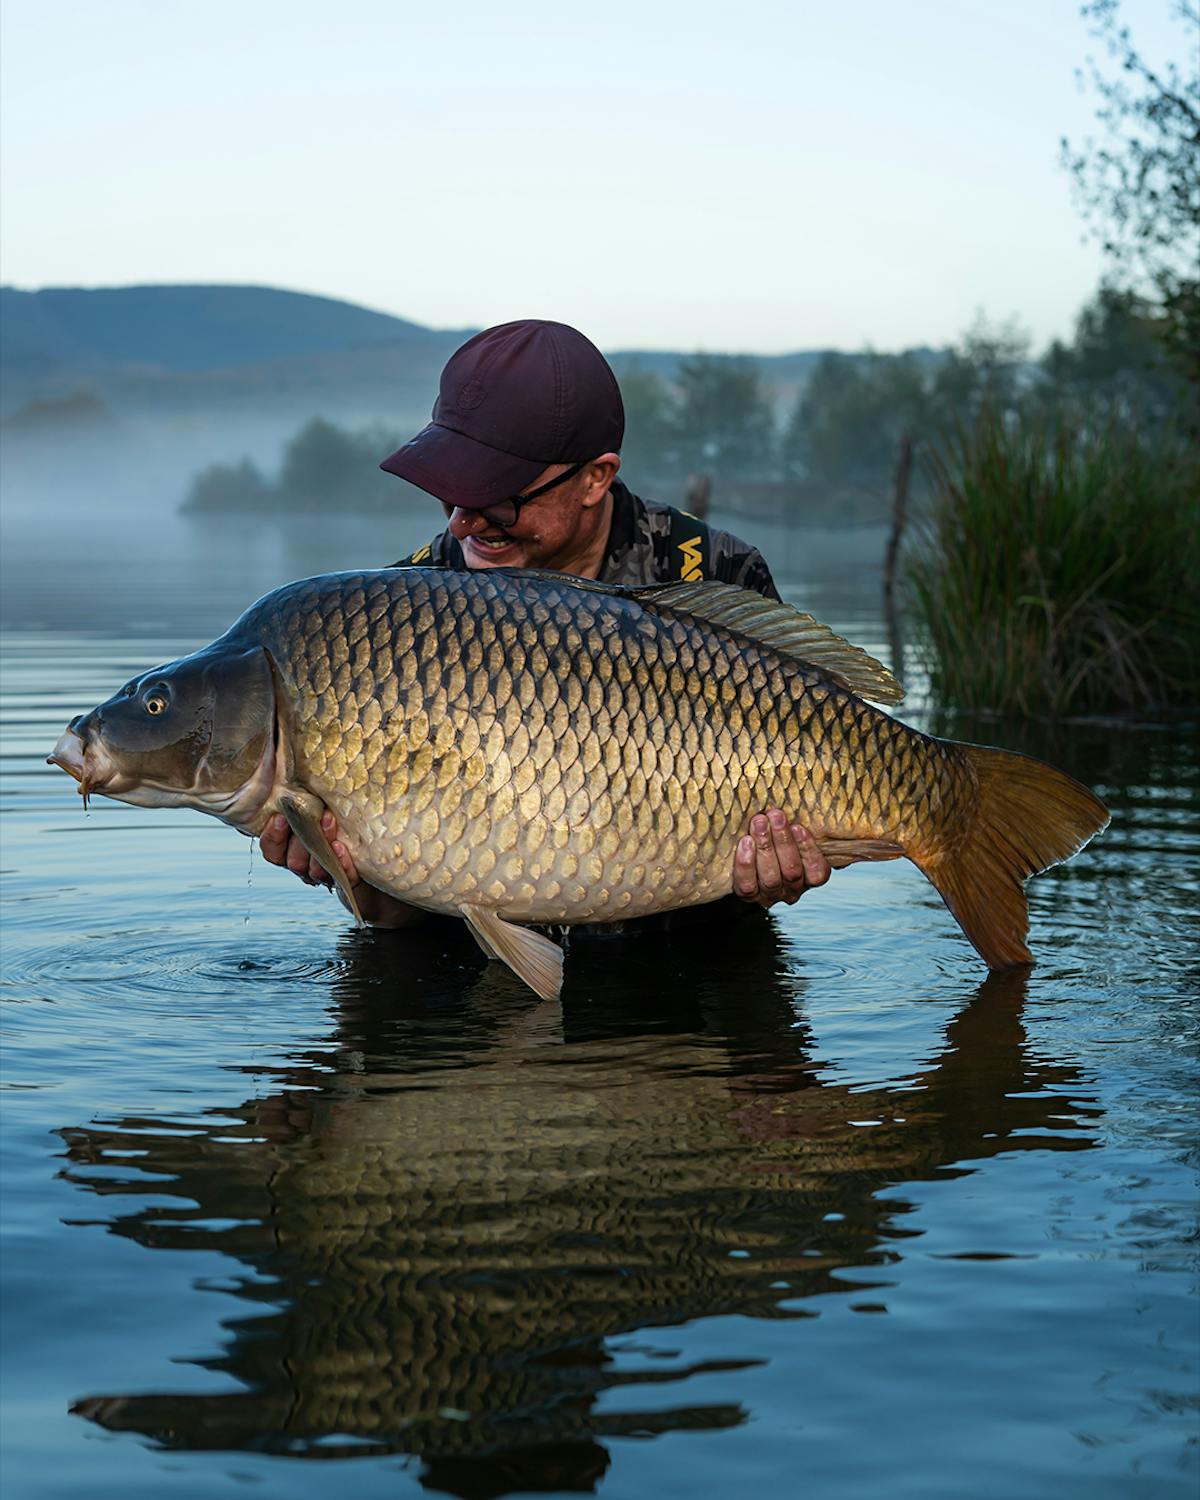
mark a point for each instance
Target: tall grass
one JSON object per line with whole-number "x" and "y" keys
{"x": 1058, "y": 571}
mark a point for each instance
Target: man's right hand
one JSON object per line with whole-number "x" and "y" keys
{"x": 280, "y": 846}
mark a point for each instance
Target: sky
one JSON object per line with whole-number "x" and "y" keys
{"x": 737, "y": 176}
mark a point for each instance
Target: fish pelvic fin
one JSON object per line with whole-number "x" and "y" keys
{"x": 1027, "y": 817}
{"x": 532, "y": 957}
{"x": 303, "y": 812}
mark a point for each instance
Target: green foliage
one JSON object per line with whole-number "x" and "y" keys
{"x": 1119, "y": 362}
{"x": 723, "y": 423}
{"x": 986, "y": 371}
{"x": 1059, "y": 570}
{"x": 228, "y": 487}
{"x": 650, "y": 434}
{"x": 712, "y": 416}
{"x": 324, "y": 467}
{"x": 850, "y": 417}
{"x": 1139, "y": 186}
{"x": 845, "y": 430}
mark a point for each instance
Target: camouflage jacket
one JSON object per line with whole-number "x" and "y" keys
{"x": 648, "y": 543}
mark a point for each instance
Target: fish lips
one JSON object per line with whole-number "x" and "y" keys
{"x": 68, "y": 754}
{"x": 83, "y": 758}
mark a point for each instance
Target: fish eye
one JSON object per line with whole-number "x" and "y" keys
{"x": 155, "y": 702}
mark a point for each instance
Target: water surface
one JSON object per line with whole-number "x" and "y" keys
{"x": 293, "y": 1210}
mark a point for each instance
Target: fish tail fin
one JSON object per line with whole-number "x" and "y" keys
{"x": 1026, "y": 817}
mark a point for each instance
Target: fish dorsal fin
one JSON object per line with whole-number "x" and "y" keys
{"x": 779, "y": 626}
{"x": 784, "y": 629}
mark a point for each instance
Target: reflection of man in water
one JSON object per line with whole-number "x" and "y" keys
{"x": 451, "y": 1223}
{"x": 523, "y": 452}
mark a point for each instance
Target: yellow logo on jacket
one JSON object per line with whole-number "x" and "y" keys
{"x": 689, "y": 567}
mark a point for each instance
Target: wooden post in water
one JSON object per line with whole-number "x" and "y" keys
{"x": 698, "y": 495}
{"x": 891, "y": 614}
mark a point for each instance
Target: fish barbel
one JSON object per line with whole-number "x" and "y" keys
{"x": 514, "y": 746}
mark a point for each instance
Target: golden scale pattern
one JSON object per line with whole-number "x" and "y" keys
{"x": 562, "y": 755}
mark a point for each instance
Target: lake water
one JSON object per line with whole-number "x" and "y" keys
{"x": 291, "y": 1210}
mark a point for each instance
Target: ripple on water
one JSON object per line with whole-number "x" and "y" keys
{"x": 159, "y": 967}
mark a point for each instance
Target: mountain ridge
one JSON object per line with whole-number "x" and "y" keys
{"x": 190, "y": 328}
{"x": 184, "y": 328}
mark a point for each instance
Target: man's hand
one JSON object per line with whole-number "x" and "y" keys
{"x": 280, "y": 846}
{"x": 777, "y": 861}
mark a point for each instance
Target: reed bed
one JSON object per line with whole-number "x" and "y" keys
{"x": 1057, "y": 572}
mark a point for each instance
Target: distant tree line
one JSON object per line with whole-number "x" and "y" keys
{"x": 836, "y": 443}
{"x": 324, "y": 467}
{"x": 845, "y": 426}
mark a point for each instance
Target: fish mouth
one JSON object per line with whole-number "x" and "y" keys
{"x": 70, "y": 755}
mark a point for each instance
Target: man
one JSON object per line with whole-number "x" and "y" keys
{"x": 523, "y": 453}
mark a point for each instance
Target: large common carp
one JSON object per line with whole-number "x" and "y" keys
{"x": 526, "y": 747}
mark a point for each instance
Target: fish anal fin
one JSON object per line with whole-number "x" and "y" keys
{"x": 532, "y": 957}
{"x": 303, "y": 812}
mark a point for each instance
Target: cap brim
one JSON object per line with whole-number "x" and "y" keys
{"x": 459, "y": 470}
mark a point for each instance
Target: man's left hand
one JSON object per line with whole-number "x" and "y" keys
{"x": 777, "y": 860}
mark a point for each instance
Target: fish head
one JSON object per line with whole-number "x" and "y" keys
{"x": 198, "y": 732}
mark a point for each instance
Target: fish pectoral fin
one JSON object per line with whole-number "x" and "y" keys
{"x": 843, "y": 852}
{"x": 530, "y": 956}
{"x": 303, "y": 812}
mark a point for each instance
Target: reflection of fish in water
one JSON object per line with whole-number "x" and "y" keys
{"x": 449, "y": 1251}
{"x": 517, "y": 747}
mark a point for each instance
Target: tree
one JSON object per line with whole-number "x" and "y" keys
{"x": 987, "y": 370}
{"x": 650, "y": 433}
{"x": 322, "y": 466}
{"x": 1139, "y": 187}
{"x": 326, "y": 465}
{"x": 1117, "y": 362}
{"x": 723, "y": 420}
{"x": 851, "y": 415}
{"x": 233, "y": 487}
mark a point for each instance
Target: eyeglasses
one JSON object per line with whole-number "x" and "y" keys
{"x": 505, "y": 512}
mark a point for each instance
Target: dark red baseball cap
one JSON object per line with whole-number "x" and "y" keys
{"x": 513, "y": 400}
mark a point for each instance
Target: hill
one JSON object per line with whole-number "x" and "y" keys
{"x": 164, "y": 329}
{"x": 189, "y": 347}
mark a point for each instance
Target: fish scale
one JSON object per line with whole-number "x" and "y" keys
{"x": 529, "y": 748}
{"x": 691, "y": 732}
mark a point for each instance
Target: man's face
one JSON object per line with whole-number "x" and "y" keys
{"x": 552, "y": 531}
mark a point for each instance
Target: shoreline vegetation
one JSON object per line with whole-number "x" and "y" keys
{"x": 1056, "y": 571}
